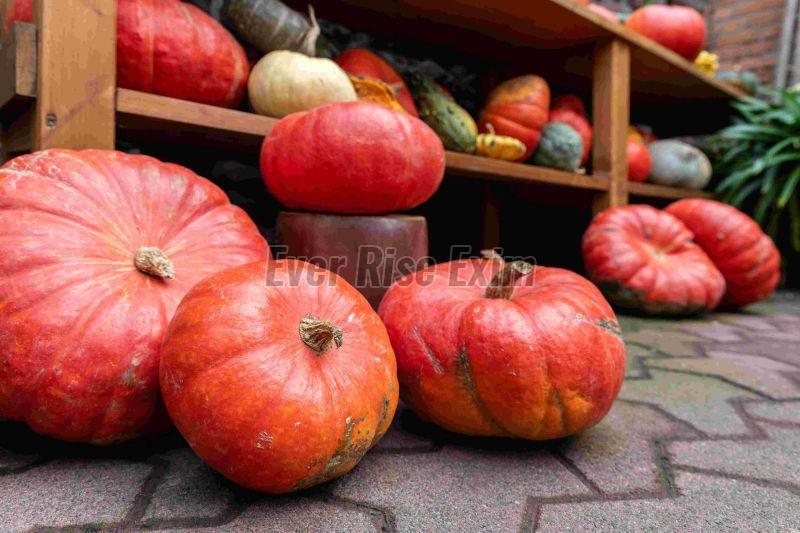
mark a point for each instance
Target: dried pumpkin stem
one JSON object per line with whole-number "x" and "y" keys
{"x": 492, "y": 255}
{"x": 150, "y": 260}
{"x": 319, "y": 335}
{"x": 502, "y": 284}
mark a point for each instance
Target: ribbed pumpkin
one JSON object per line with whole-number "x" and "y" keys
{"x": 352, "y": 158}
{"x": 279, "y": 375}
{"x": 571, "y": 102}
{"x": 682, "y": 29}
{"x": 504, "y": 349}
{"x": 518, "y": 108}
{"x": 746, "y": 256}
{"x": 98, "y": 248}
{"x": 173, "y": 49}
{"x": 362, "y": 62}
{"x": 644, "y": 259}
{"x": 639, "y": 160}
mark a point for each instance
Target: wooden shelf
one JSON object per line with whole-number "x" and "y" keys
{"x": 651, "y": 190}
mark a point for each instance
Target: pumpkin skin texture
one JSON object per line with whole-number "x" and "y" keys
{"x": 352, "y": 158}
{"x": 639, "y": 160}
{"x": 570, "y": 102}
{"x": 644, "y": 259}
{"x": 256, "y": 402}
{"x": 81, "y": 321}
{"x": 362, "y": 62}
{"x": 678, "y": 164}
{"x": 518, "y": 108}
{"x": 746, "y": 256}
{"x": 285, "y": 82}
{"x": 540, "y": 358}
{"x": 579, "y": 124}
{"x": 173, "y": 49}
{"x": 682, "y": 29}
{"x": 560, "y": 147}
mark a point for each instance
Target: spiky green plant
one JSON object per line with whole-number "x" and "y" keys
{"x": 759, "y": 161}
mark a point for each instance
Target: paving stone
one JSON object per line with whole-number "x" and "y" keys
{"x": 667, "y": 341}
{"x": 68, "y": 492}
{"x": 707, "y": 503}
{"x": 757, "y": 373}
{"x": 701, "y": 401}
{"x": 458, "y": 489}
{"x": 189, "y": 489}
{"x": 714, "y": 330}
{"x": 401, "y": 435}
{"x": 770, "y": 348}
{"x": 618, "y": 453}
{"x": 786, "y": 323}
{"x": 633, "y": 360}
{"x": 775, "y": 412}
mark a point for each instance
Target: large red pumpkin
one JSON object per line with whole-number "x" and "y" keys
{"x": 353, "y": 157}
{"x": 579, "y": 124}
{"x": 362, "y": 62}
{"x": 504, "y": 349}
{"x": 682, "y": 29}
{"x": 171, "y": 48}
{"x": 279, "y": 375}
{"x": 746, "y": 256}
{"x": 639, "y": 160}
{"x": 98, "y": 248}
{"x": 644, "y": 259}
{"x": 519, "y": 108}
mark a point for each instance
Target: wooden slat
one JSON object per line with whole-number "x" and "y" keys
{"x": 611, "y": 105}
{"x": 652, "y": 190}
{"x": 18, "y": 63}
{"x": 76, "y": 74}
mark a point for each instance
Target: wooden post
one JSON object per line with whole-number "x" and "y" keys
{"x": 611, "y": 87}
{"x": 76, "y": 74}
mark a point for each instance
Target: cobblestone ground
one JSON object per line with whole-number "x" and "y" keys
{"x": 705, "y": 436}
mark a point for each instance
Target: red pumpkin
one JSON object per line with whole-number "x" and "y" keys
{"x": 682, "y": 29}
{"x": 639, "y": 160}
{"x": 518, "y": 108}
{"x": 579, "y": 124}
{"x": 362, "y": 62}
{"x": 603, "y": 12}
{"x": 173, "y": 49}
{"x": 98, "y": 248}
{"x": 279, "y": 375}
{"x": 352, "y": 157}
{"x": 570, "y": 102}
{"x": 644, "y": 259}
{"x": 504, "y": 349}
{"x": 746, "y": 256}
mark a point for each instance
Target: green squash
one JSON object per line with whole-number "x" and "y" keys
{"x": 559, "y": 147}
{"x": 678, "y": 164}
{"x": 451, "y": 122}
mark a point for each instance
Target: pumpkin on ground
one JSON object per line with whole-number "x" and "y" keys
{"x": 279, "y": 375}
{"x": 579, "y": 124}
{"x": 173, "y": 49}
{"x": 451, "y": 122}
{"x": 560, "y": 147}
{"x": 639, "y": 160}
{"x": 98, "y": 248}
{"x": 362, "y": 62}
{"x": 285, "y": 82}
{"x": 518, "y": 108}
{"x": 504, "y": 349}
{"x": 644, "y": 259}
{"x": 352, "y": 158}
{"x": 678, "y": 164}
{"x": 746, "y": 256}
{"x": 682, "y": 29}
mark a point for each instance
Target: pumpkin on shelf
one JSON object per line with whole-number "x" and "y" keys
{"x": 451, "y": 122}
{"x": 570, "y": 102}
{"x": 745, "y": 255}
{"x": 678, "y": 164}
{"x": 285, "y": 82}
{"x": 362, "y": 62}
{"x": 579, "y": 124}
{"x": 639, "y": 160}
{"x": 499, "y": 146}
{"x": 99, "y": 247}
{"x": 560, "y": 147}
{"x": 682, "y": 29}
{"x": 489, "y": 348}
{"x": 279, "y": 375}
{"x": 352, "y": 158}
{"x": 518, "y": 108}
{"x": 158, "y": 51}
{"x": 375, "y": 91}
{"x": 644, "y": 259}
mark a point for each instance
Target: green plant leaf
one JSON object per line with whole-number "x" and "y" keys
{"x": 789, "y": 187}
{"x": 753, "y": 132}
{"x": 743, "y": 193}
{"x": 756, "y": 167}
{"x": 794, "y": 223}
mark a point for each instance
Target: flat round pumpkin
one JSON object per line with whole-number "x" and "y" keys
{"x": 98, "y": 248}
{"x": 644, "y": 259}
{"x": 746, "y": 256}
{"x": 279, "y": 375}
{"x": 504, "y": 349}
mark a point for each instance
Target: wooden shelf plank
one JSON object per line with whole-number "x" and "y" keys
{"x": 652, "y": 190}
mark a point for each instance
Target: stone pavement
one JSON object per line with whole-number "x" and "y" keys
{"x": 705, "y": 436}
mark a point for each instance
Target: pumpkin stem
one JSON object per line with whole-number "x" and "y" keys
{"x": 150, "y": 260}
{"x": 502, "y": 284}
{"x": 319, "y": 335}
{"x": 492, "y": 255}
{"x": 490, "y": 128}
{"x": 310, "y": 40}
